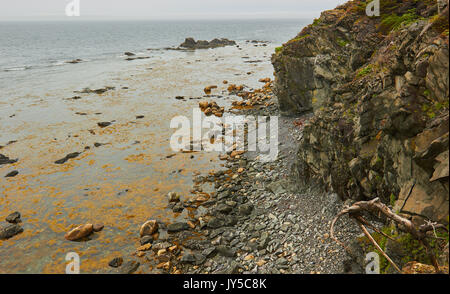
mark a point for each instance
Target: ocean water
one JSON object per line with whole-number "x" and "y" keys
{"x": 123, "y": 182}
{"x": 40, "y": 45}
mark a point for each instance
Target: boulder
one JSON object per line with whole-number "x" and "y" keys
{"x": 149, "y": 228}
{"x": 8, "y": 230}
{"x": 13, "y": 218}
{"x": 80, "y": 232}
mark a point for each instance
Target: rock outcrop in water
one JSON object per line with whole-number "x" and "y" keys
{"x": 6, "y": 160}
{"x": 190, "y": 43}
{"x": 379, "y": 90}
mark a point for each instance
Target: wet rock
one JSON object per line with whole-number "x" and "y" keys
{"x": 75, "y": 61}
{"x": 13, "y": 218}
{"x": 177, "y": 227}
{"x": 67, "y": 157}
{"x": 146, "y": 240}
{"x": 211, "y": 108}
{"x": 104, "y": 124}
{"x": 136, "y": 58}
{"x": 149, "y": 228}
{"x": 265, "y": 80}
{"x": 116, "y": 262}
{"x": 129, "y": 267}
{"x": 6, "y": 160}
{"x": 208, "y": 89}
{"x": 12, "y": 174}
{"x": 190, "y": 43}
{"x": 173, "y": 197}
{"x": 145, "y": 247}
{"x": 96, "y": 91}
{"x": 98, "y": 227}
{"x": 177, "y": 208}
{"x": 8, "y": 230}
{"x": 80, "y": 232}
{"x": 129, "y": 54}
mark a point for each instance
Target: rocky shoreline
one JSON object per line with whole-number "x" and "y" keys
{"x": 256, "y": 221}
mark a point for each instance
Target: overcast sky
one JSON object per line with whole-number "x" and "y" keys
{"x": 165, "y": 9}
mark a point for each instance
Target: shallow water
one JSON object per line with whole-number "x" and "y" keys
{"x": 122, "y": 183}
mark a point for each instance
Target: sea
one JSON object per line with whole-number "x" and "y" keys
{"x": 124, "y": 171}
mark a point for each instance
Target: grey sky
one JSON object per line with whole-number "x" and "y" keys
{"x": 165, "y": 9}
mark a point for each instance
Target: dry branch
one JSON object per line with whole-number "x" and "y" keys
{"x": 375, "y": 206}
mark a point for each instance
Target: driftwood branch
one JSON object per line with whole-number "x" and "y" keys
{"x": 428, "y": 26}
{"x": 375, "y": 206}
{"x": 368, "y": 235}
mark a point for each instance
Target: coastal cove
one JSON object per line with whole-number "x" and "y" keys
{"x": 121, "y": 173}
{"x": 308, "y": 146}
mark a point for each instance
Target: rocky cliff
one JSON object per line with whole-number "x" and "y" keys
{"x": 379, "y": 91}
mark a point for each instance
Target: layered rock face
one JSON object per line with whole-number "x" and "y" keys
{"x": 379, "y": 90}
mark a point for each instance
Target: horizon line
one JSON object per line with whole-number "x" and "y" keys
{"x": 279, "y": 15}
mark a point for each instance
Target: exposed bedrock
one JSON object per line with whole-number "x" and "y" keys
{"x": 379, "y": 90}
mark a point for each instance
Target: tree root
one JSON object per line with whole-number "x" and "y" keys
{"x": 375, "y": 206}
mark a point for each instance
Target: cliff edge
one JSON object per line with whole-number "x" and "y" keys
{"x": 379, "y": 91}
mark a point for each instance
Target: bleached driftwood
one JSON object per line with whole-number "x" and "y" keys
{"x": 375, "y": 206}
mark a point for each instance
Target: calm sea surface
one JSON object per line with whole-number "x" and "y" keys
{"x": 123, "y": 181}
